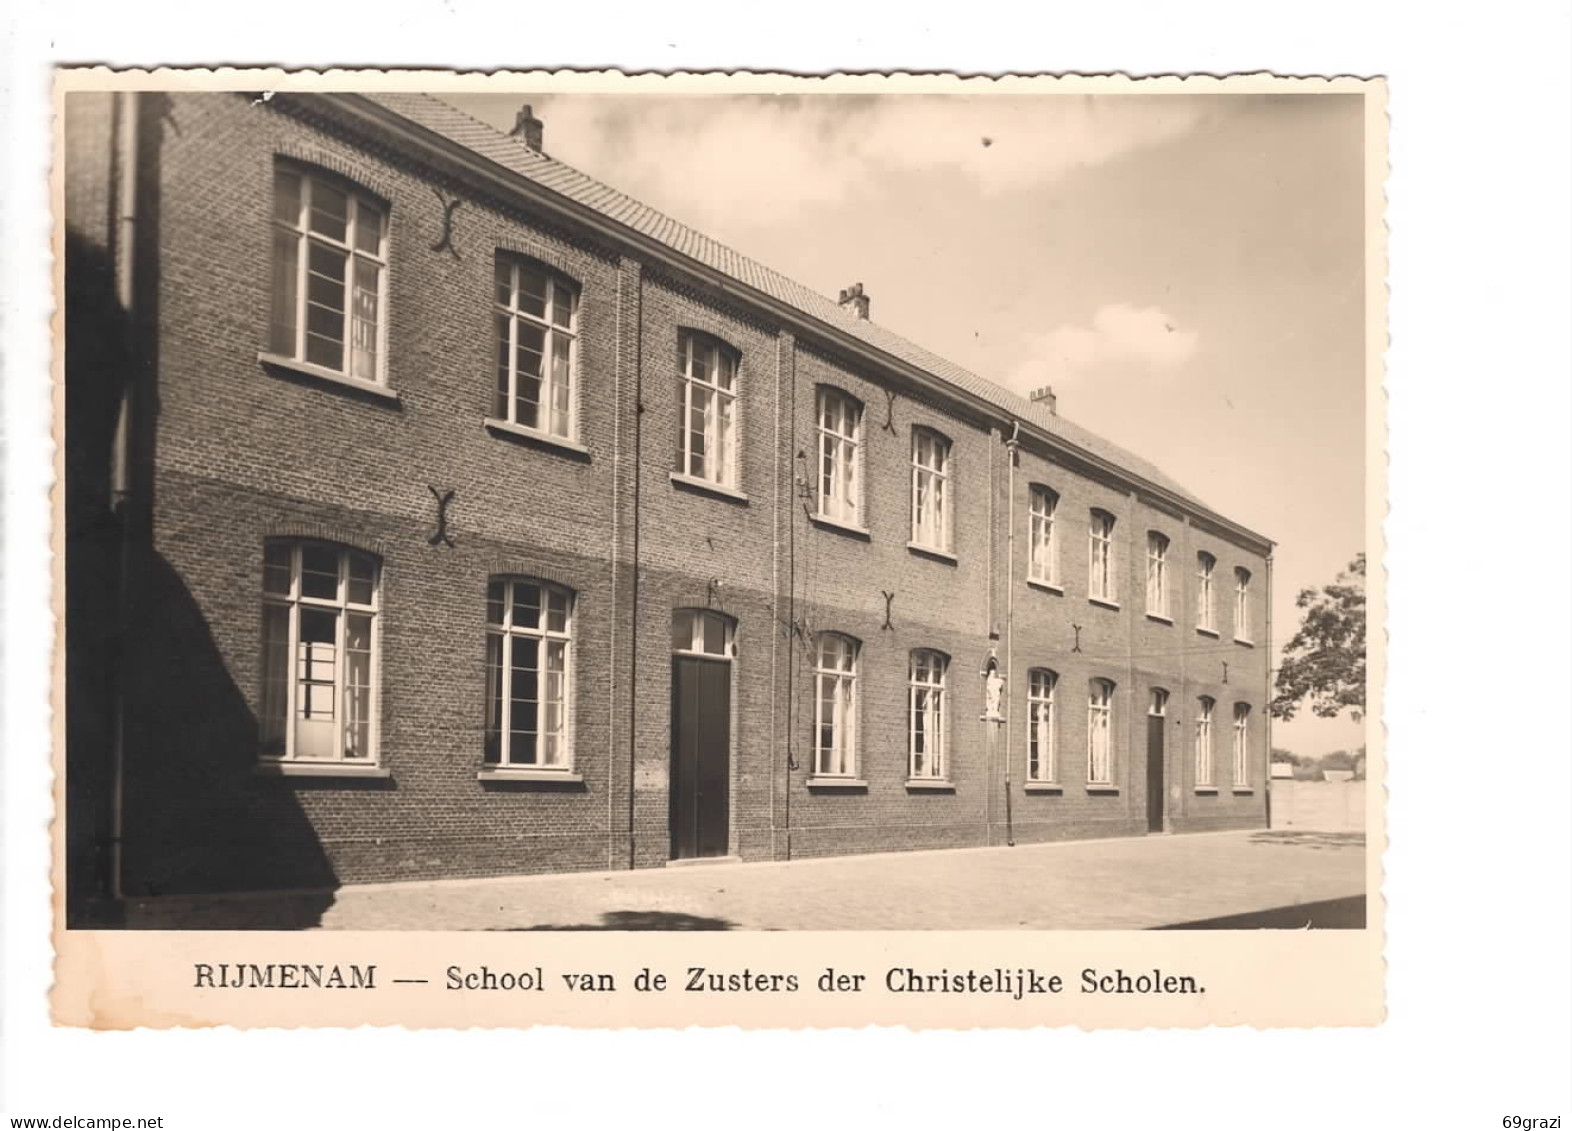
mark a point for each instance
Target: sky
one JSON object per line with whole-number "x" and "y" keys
{"x": 1186, "y": 271}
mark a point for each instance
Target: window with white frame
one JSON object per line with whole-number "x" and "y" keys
{"x": 1099, "y": 732}
{"x": 319, "y": 649}
{"x": 1101, "y": 579}
{"x": 329, "y": 274}
{"x": 930, "y": 490}
{"x": 927, "y": 707}
{"x": 1205, "y": 603}
{"x": 536, "y": 316}
{"x": 707, "y": 409}
{"x": 702, "y": 632}
{"x": 529, "y": 673}
{"x": 1156, "y": 574}
{"x": 840, "y": 457}
{"x": 835, "y": 707}
{"x": 1204, "y": 776}
{"x": 1241, "y": 604}
{"x": 1241, "y": 745}
{"x": 1044, "y": 562}
{"x": 1041, "y": 760}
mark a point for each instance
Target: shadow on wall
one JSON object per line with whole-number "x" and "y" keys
{"x": 196, "y": 815}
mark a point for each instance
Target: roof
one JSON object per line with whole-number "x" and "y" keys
{"x": 458, "y": 127}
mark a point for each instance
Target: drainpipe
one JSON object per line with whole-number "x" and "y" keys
{"x": 1267, "y": 785}
{"x": 1012, "y": 450}
{"x": 125, "y": 159}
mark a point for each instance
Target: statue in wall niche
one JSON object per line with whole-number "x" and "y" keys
{"x": 993, "y": 690}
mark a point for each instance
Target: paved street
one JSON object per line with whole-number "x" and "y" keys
{"x": 1235, "y": 880}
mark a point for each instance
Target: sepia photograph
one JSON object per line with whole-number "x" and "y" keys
{"x": 720, "y": 509}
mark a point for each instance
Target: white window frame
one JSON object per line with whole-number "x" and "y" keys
{"x": 835, "y": 679}
{"x": 510, "y": 635}
{"x": 693, "y": 642}
{"x": 1042, "y": 548}
{"x": 1205, "y": 600}
{"x": 1102, "y": 582}
{"x": 556, "y": 409}
{"x": 1099, "y": 733}
{"x": 932, "y": 497}
{"x": 840, "y": 456}
{"x": 1241, "y": 604}
{"x": 927, "y": 683}
{"x": 1157, "y": 545}
{"x": 299, "y": 228}
{"x": 716, "y": 399}
{"x": 1241, "y": 745}
{"x": 1205, "y": 763}
{"x": 1042, "y": 726}
{"x": 342, "y": 607}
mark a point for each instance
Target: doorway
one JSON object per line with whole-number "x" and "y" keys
{"x": 702, "y": 647}
{"x": 1156, "y": 729}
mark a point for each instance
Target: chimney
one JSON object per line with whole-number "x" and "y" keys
{"x": 859, "y": 301}
{"x": 530, "y": 128}
{"x": 1045, "y": 396}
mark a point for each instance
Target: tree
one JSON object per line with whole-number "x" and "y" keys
{"x": 1325, "y": 661}
{"x": 1281, "y": 755}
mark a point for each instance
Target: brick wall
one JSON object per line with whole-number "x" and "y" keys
{"x": 245, "y": 451}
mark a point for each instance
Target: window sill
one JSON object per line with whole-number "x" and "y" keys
{"x": 1045, "y": 586}
{"x": 1242, "y": 789}
{"x": 826, "y": 781}
{"x": 1104, "y": 602}
{"x": 1042, "y": 787}
{"x": 506, "y": 429}
{"x": 1102, "y": 787}
{"x": 1246, "y": 643}
{"x": 840, "y": 527}
{"x": 521, "y": 773}
{"x": 935, "y": 785}
{"x": 1206, "y": 789}
{"x": 320, "y": 770}
{"x": 704, "y": 486}
{"x": 1212, "y": 632}
{"x": 1160, "y": 618}
{"x": 323, "y": 373}
{"x": 929, "y": 552}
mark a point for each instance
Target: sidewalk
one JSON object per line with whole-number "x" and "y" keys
{"x": 1238, "y": 879}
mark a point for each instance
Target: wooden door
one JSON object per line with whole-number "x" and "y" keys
{"x": 700, "y": 756}
{"x": 1154, "y": 772}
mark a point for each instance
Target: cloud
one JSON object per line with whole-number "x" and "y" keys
{"x": 701, "y": 158}
{"x": 1123, "y": 340}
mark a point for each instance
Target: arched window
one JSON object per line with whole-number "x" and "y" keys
{"x": 931, "y": 501}
{"x": 529, "y": 674}
{"x": 840, "y": 456}
{"x": 702, "y": 632}
{"x": 1157, "y": 574}
{"x": 330, "y": 269}
{"x": 927, "y": 706}
{"x": 1043, "y": 564}
{"x": 1099, "y": 732}
{"x": 1241, "y": 745}
{"x": 1205, "y": 603}
{"x": 835, "y": 707}
{"x": 320, "y": 604}
{"x": 1204, "y": 776}
{"x": 1242, "y": 604}
{"x": 1041, "y": 746}
{"x": 706, "y": 409}
{"x": 1100, "y": 582}
{"x": 536, "y": 314}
